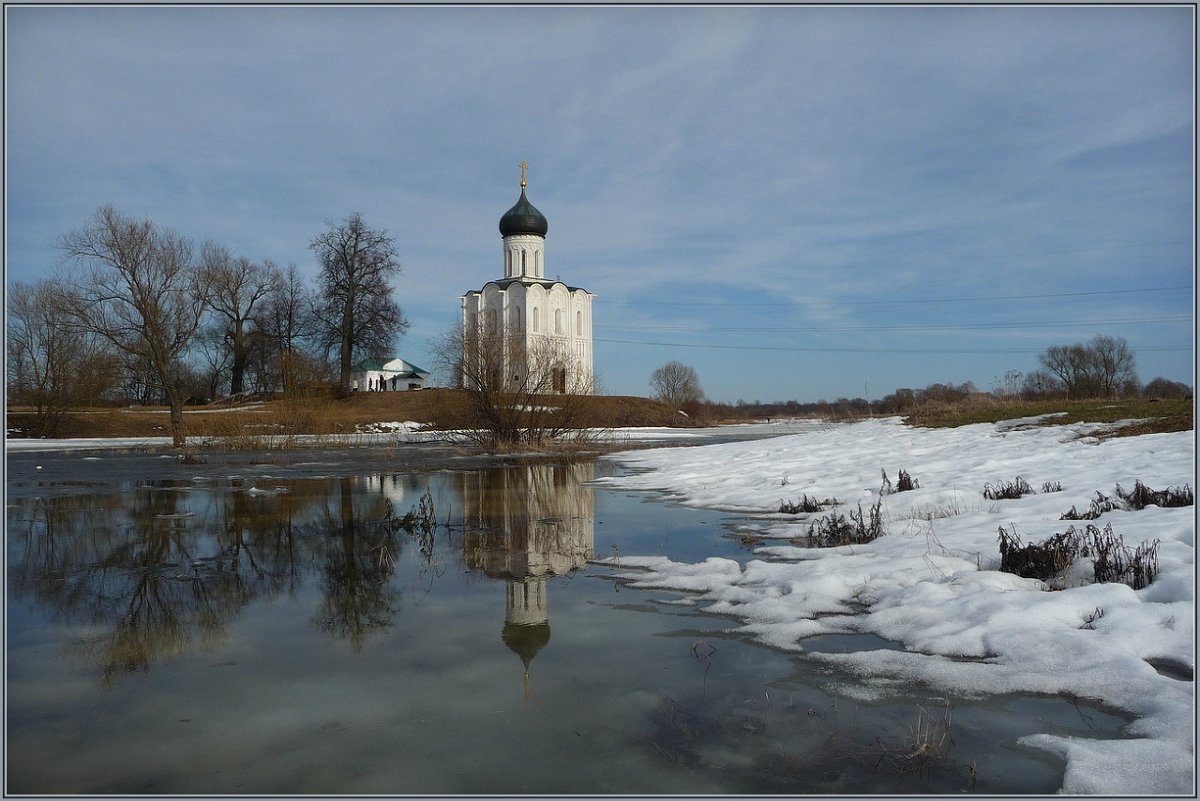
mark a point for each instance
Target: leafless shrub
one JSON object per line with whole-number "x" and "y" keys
{"x": 1044, "y": 561}
{"x": 1007, "y": 491}
{"x": 904, "y": 483}
{"x": 520, "y": 394}
{"x": 857, "y": 528}
{"x": 1089, "y": 622}
{"x": 1099, "y": 505}
{"x": 1116, "y": 563}
{"x": 1113, "y": 561}
{"x": 1136, "y": 499}
{"x": 805, "y": 504}
{"x": 1142, "y": 496}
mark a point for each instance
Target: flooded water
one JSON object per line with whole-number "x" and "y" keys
{"x": 303, "y": 624}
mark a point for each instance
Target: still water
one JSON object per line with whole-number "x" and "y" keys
{"x": 283, "y": 624}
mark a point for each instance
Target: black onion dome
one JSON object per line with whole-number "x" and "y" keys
{"x": 526, "y": 640}
{"x": 523, "y": 218}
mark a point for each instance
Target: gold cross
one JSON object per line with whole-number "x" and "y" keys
{"x": 523, "y": 166}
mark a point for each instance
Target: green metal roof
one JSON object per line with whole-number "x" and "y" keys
{"x": 375, "y": 366}
{"x": 523, "y": 218}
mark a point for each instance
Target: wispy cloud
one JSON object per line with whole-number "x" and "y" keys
{"x": 818, "y": 157}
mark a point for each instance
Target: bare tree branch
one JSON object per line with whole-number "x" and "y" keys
{"x": 142, "y": 293}
{"x": 676, "y": 384}
{"x": 354, "y": 306}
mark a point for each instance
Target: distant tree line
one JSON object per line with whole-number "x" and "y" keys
{"x": 142, "y": 315}
{"x": 1102, "y": 368}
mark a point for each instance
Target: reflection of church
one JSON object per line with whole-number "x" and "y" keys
{"x": 401, "y": 490}
{"x": 527, "y": 524}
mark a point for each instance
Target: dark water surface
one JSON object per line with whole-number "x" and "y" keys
{"x": 281, "y": 623}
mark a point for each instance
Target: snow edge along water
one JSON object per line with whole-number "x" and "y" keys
{"x": 932, "y": 583}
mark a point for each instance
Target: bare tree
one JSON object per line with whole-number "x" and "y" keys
{"x": 286, "y": 322}
{"x": 676, "y": 384}
{"x": 213, "y": 354}
{"x": 521, "y": 393}
{"x": 142, "y": 293}
{"x": 1041, "y": 384}
{"x": 1167, "y": 389}
{"x": 239, "y": 288}
{"x": 1072, "y": 366}
{"x": 354, "y": 309}
{"x": 52, "y": 366}
{"x": 1101, "y": 368}
{"x": 1114, "y": 364}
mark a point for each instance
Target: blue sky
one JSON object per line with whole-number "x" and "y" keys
{"x": 800, "y": 202}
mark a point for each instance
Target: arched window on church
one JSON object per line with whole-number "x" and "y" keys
{"x": 578, "y": 323}
{"x": 522, "y": 262}
{"x": 558, "y": 323}
{"x": 491, "y": 321}
{"x": 535, "y": 321}
{"x": 516, "y": 318}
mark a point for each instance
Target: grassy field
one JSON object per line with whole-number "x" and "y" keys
{"x": 448, "y": 409}
{"x": 1154, "y": 415}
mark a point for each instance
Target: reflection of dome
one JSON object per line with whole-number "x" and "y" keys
{"x": 526, "y": 641}
{"x": 523, "y": 218}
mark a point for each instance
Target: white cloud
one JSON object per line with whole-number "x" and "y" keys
{"x": 797, "y": 152}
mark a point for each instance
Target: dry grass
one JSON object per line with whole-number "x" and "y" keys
{"x": 317, "y": 414}
{"x": 1157, "y": 415}
{"x": 1051, "y": 559}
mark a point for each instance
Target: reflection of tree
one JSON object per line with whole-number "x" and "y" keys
{"x": 356, "y": 566}
{"x": 264, "y": 529}
{"x": 161, "y": 568}
{"x": 137, "y": 569}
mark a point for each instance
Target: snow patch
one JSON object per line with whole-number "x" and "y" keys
{"x": 931, "y": 584}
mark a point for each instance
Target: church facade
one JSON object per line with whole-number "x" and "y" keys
{"x": 524, "y": 332}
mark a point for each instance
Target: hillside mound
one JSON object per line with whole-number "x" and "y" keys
{"x": 437, "y": 408}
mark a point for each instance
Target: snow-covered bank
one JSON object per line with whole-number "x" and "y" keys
{"x": 932, "y": 582}
{"x": 379, "y": 434}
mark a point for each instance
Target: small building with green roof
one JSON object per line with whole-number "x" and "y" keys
{"x": 394, "y": 375}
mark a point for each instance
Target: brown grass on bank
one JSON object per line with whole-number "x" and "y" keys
{"x": 318, "y": 413}
{"x": 248, "y": 425}
{"x": 1155, "y": 416}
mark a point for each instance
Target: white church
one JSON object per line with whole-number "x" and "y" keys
{"x": 541, "y": 325}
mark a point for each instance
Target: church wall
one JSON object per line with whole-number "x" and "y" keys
{"x": 527, "y": 316}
